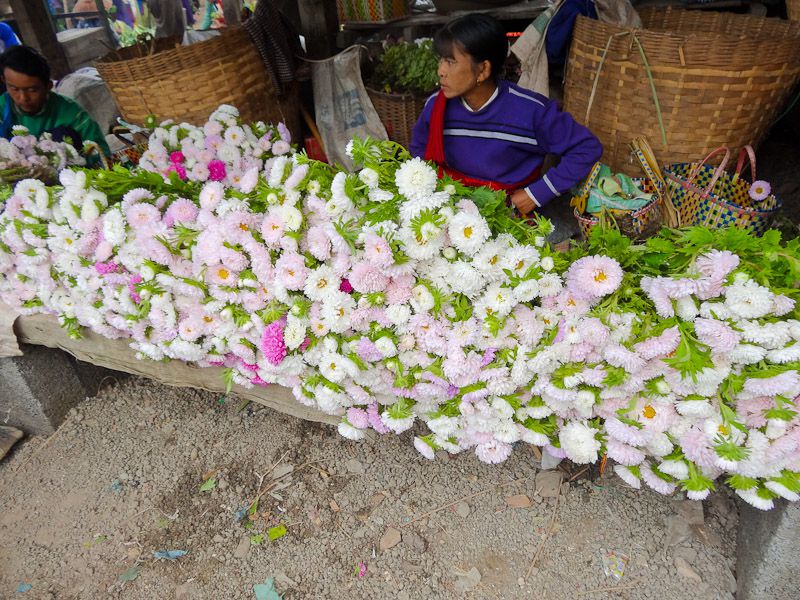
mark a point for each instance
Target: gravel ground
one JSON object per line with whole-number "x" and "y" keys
{"x": 121, "y": 479}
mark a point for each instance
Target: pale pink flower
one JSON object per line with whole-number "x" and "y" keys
{"x": 319, "y": 244}
{"x": 291, "y": 271}
{"x": 760, "y": 191}
{"x": 221, "y": 274}
{"x": 272, "y": 228}
{"x": 424, "y": 448}
{"x": 717, "y": 335}
{"x": 694, "y": 443}
{"x": 623, "y": 453}
{"x": 625, "y": 433}
{"x": 660, "y": 345}
{"x": 654, "y": 481}
{"x": 377, "y": 250}
{"x": 493, "y": 452}
{"x": 140, "y": 215}
{"x": 399, "y": 289}
{"x": 621, "y": 357}
{"x": 358, "y": 417}
{"x": 594, "y": 276}
{"x": 786, "y": 383}
{"x": 654, "y": 288}
{"x": 366, "y": 279}
{"x": 182, "y": 211}
{"x": 783, "y": 305}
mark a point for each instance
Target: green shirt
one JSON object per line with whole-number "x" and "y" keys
{"x": 58, "y": 111}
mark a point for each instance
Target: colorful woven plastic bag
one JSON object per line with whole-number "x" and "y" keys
{"x": 709, "y": 196}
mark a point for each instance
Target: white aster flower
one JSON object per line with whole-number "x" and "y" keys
{"x": 421, "y": 299}
{"x": 386, "y": 346}
{"x": 415, "y": 179}
{"x": 294, "y": 333}
{"x": 351, "y": 433}
{"x": 320, "y": 282}
{"x": 527, "y": 290}
{"x": 468, "y": 232}
{"x": 369, "y": 177}
{"x": 463, "y": 278}
{"x": 335, "y": 367}
{"x": 579, "y": 443}
{"x": 748, "y": 300}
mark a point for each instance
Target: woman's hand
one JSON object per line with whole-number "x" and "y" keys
{"x": 522, "y": 201}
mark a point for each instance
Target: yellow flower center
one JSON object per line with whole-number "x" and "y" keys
{"x": 493, "y": 260}
{"x": 601, "y": 276}
{"x": 333, "y": 366}
{"x": 322, "y": 283}
{"x": 243, "y": 227}
{"x": 520, "y": 264}
{"x": 68, "y": 241}
{"x": 570, "y": 302}
{"x": 223, "y": 273}
{"x": 340, "y": 312}
{"x": 291, "y": 272}
{"x": 275, "y": 227}
{"x": 723, "y": 429}
{"x": 649, "y": 412}
{"x": 467, "y": 232}
{"x": 207, "y": 319}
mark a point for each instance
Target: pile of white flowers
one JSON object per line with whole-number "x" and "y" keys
{"x": 388, "y": 297}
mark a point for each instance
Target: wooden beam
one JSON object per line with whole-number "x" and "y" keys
{"x": 36, "y": 27}
{"x": 320, "y": 24}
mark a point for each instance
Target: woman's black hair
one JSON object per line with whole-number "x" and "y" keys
{"x": 479, "y": 35}
{"x": 26, "y": 60}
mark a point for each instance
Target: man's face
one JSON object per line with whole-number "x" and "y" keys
{"x": 28, "y": 93}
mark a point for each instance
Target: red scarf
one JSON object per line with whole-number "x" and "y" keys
{"x": 434, "y": 151}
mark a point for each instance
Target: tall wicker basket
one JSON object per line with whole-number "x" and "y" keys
{"x": 186, "y": 83}
{"x": 712, "y": 79}
{"x": 398, "y": 113}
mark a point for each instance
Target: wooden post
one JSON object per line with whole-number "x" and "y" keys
{"x": 320, "y": 23}
{"x": 232, "y": 12}
{"x": 36, "y": 28}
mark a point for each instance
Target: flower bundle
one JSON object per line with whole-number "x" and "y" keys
{"x": 399, "y": 300}
{"x": 24, "y": 155}
{"x": 222, "y": 150}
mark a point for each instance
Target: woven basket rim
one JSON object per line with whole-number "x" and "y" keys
{"x": 394, "y": 95}
{"x": 714, "y": 198}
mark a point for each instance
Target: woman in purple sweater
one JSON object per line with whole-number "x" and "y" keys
{"x": 486, "y": 131}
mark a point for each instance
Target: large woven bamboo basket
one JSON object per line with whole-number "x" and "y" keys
{"x": 398, "y": 113}
{"x": 186, "y": 83}
{"x": 717, "y": 79}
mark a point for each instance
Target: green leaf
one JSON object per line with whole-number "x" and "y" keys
{"x": 257, "y": 539}
{"x": 277, "y": 532}
{"x": 209, "y": 485}
{"x": 740, "y": 482}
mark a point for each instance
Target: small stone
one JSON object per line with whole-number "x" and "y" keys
{"x": 281, "y": 470}
{"x": 468, "y": 581}
{"x": 691, "y": 511}
{"x": 8, "y": 437}
{"x": 223, "y": 484}
{"x": 218, "y": 539}
{"x": 355, "y": 467}
{"x": 462, "y": 509}
{"x": 685, "y": 570}
{"x": 242, "y": 548}
{"x": 677, "y": 530}
{"x": 335, "y": 506}
{"x": 518, "y": 501}
{"x": 414, "y": 541}
{"x": 547, "y": 483}
{"x": 193, "y": 454}
{"x": 390, "y": 539}
{"x": 521, "y": 581}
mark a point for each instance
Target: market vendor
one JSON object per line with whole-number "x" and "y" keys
{"x": 29, "y": 101}
{"x": 484, "y": 130}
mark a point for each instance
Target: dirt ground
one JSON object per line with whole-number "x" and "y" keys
{"x": 121, "y": 479}
{"x": 82, "y": 512}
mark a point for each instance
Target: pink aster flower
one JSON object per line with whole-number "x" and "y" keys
{"x": 104, "y": 268}
{"x": 272, "y": 344}
{"x": 140, "y": 215}
{"x": 182, "y": 211}
{"x": 694, "y": 443}
{"x": 716, "y": 335}
{"x": 493, "y": 452}
{"x": 424, "y": 448}
{"x": 179, "y": 169}
{"x": 367, "y": 279}
{"x": 272, "y": 228}
{"x": 291, "y": 271}
{"x": 658, "y": 295}
{"x": 176, "y": 157}
{"x": 655, "y": 482}
{"x": 715, "y": 265}
{"x": 377, "y": 250}
{"x": 368, "y": 351}
{"x": 623, "y": 453}
{"x": 216, "y": 170}
{"x": 375, "y": 421}
{"x": 358, "y": 417}
{"x": 318, "y": 242}
{"x": 594, "y": 276}
{"x": 621, "y": 357}
{"x": 345, "y": 286}
{"x": 660, "y": 345}
{"x": 221, "y": 274}
{"x": 625, "y": 433}
{"x": 760, "y": 190}
{"x": 786, "y": 383}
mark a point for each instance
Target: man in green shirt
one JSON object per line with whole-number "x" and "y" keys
{"x": 29, "y": 101}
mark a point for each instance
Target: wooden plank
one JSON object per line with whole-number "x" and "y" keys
{"x": 43, "y": 330}
{"x": 33, "y": 20}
